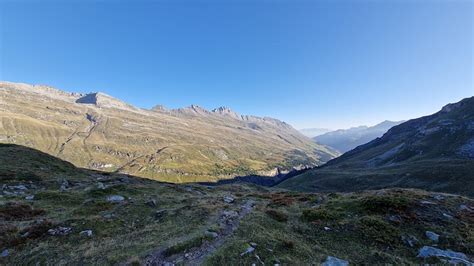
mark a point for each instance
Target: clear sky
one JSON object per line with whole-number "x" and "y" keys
{"x": 323, "y": 63}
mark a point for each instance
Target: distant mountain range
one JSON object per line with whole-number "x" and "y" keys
{"x": 344, "y": 140}
{"x": 313, "y": 132}
{"x": 191, "y": 144}
{"x": 434, "y": 152}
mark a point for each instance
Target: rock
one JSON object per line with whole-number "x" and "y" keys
{"x": 438, "y": 197}
{"x": 229, "y": 214}
{"x": 395, "y": 218}
{"x": 151, "y": 203}
{"x": 228, "y": 199}
{"x": 452, "y": 256}
{"x": 64, "y": 185}
{"x": 115, "y": 198}
{"x": 409, "y": 240}
{"x": 432, "y": 235}
{"x": 108, "y": 216}
{"x": 427, "y": 202}
{"x": 160, "y": 214}
{"x": 5, "y": 253}
{"x": 60, "y": 231}
{"x": 18, "y": 187}
{"x": 333, "y": 261}
{"x": 464, "y": 207}
{"x": 448, "y": 216}
{"x": 87, "y": 233}
{"x": 100, "y": 185}
{"x": 326, "y": 228}
{"x": 30, "y": 197}
{"x": 248, "y": 251}
{"x": 211, "y": 234}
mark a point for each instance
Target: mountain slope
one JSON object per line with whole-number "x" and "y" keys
{"x": 189, "y": 144}
{"x": 433, "y": 152}
{"x": 313, "y": 132}
{"x": 53, "y": 213}
{"x": 344, "y": 140}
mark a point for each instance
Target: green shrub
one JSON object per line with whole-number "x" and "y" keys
{"x": 383, "y": 204}
{"x": 277, "y": 215}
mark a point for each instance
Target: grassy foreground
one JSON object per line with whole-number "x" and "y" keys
{"x": 211, "y": 225}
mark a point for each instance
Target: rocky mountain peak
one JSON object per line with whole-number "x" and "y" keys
{"x": 224, "y": 110}
{"x": 159, "y": 108}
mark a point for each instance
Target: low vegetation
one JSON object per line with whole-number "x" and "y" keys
{"x": 182, "y": 222}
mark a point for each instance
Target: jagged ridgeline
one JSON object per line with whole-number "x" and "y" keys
{"x": 189, "y": 144}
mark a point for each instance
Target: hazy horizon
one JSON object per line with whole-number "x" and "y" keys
{"x": 312, "y": 64}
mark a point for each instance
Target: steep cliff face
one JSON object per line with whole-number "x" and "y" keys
{"x": 188, "y": 144}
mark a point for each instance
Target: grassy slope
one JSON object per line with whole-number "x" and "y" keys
{"x": 288, "y": 227}
{"x": 174, "y": 147}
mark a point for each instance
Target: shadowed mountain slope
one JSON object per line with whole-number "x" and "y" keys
{"x": 434, "y": 152}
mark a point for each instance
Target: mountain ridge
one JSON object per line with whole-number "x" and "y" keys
{"x": 344, "y": 140}
{"x": 434, "y": 152}
{"x": 190, "y": 144}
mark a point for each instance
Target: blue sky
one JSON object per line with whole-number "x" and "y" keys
{"x": 321, "y": 63}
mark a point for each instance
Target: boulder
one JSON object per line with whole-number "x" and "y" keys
{"x": 115, "y": 198}
{"x": 151, "y": 203}
{"x": 100, "y": 185}
{"x": 249, "y": 250}
{"x": 60, "y": 231}
{"x": 87, "y": 233}
{"x": 30, "y": 197}
{"x": 333, "y": 261}
{"x": 432, "y": 235}
{"x": 211, "y": 234}
{"x": 409, "y": 240}
{"x": 5, "y": 253}
{"x": 452, "y": 256}
{"x": 228, "y": 199}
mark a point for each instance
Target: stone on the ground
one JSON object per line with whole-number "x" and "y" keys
{"x": 409, "y": 240}
{"x": 60, "y": 231}
{"x": 229, "y": 214}
{"x": 30, "y": 197}
{"x": 228, "y": 199}
{"x": 448, "y": 216}
{"x": 160, "y": 214}
{"x": 115, "y": 198}
{"x": 427, "y": 202}
{"x": 333, "y": 261}
{"x": 151, "y": 203}
{"x": 5, "y": 253}
{"x": 18, "y": 187}
{"x": 248, "y": 251}
{"x": 452, "y": 256}
{"x": 211, "y": 234}
{"x": 464, "y": 207}
{"x": 87, "y": 233}
{"x": 64, "y": 185}
{"x": 326, "y": 228}
{"x": 438, "y": 197}
{"x": 100, "y": 185}
{"x": 432, "y": 235}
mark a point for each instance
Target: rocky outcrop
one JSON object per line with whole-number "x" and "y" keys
{"x": 103, "y": 100}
